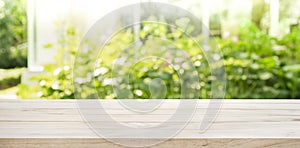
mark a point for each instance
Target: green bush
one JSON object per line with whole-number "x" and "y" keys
{"x": 10, "y": 77}
{"x": 13, "y": 37}
{"x": 257, "y": 66}
{"x": 57, "y": 82}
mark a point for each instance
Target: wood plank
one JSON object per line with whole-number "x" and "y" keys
{"x": 204, "y": 142}
{"x": 231, "y": 101}
{"x": 142, "y": 118}
{"x": 166, "y": 106}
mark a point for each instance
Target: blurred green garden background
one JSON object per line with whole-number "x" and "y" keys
{"x": 258, "y": 64}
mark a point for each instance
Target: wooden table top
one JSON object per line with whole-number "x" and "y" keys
{"x": 63, "y": 123}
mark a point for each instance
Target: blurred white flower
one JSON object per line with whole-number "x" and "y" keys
{"x": 138, "y": 92}
{"x": 80, "y": 80}
{"x": 185, "y": 65}
{"x": 100, "y": 71}
{"x": 85, "y": 49}
{"x": 206, "y": 47}
{"x": 197, "y": 63}
{"x": 144, "y": 69}
{"x": 68, "y": 92}
{"x": 216, "y": 57}
{"x": 226, "y": 34}
{"x": 98, "y": 62}
{"x": 57, "y": 71}
{"x": 111, "y": 96}
{"x": 181, "y": 71}
{"x": 168, "y": 54}
{"x": 89, "y": 77}
{"x": 120, "y": 61}
{"x": 199, "y": 57}
{"x": 40, "y": 93}
{"x": 107, "y": 81}
{"x": 235, "y": 38}
{"x": 147, "y": 80}
{"x": 99, "y": 78}
{"x": 176, "y": 67}
{"x": 42, "y": 83}
{"x": 66, "y": 68}
{"x": 55, "y": 85}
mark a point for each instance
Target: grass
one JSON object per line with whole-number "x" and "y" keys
{"x": 11, "y": 90}
{"x": 9, "y": 93}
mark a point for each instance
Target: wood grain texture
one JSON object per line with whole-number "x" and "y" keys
{"x": 240, "y": 123}
{"x": 187, "y": 143}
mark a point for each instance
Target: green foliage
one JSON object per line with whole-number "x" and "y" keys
{"x": 10, "y": 77}
{"x": 257, "y": 65}
{"x": 57, "y": 82}
{"x": 151, "y": 77}
{"x": 13, "y": 48}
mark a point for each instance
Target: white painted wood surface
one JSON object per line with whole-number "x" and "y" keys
{"x": 240, "y": 123}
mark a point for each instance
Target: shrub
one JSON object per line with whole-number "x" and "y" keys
{"x": 57, "y": 82}
{"x": 13, "y": 47}
{"x": 257, "y": 66}
{"x": 10, "y": 77}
